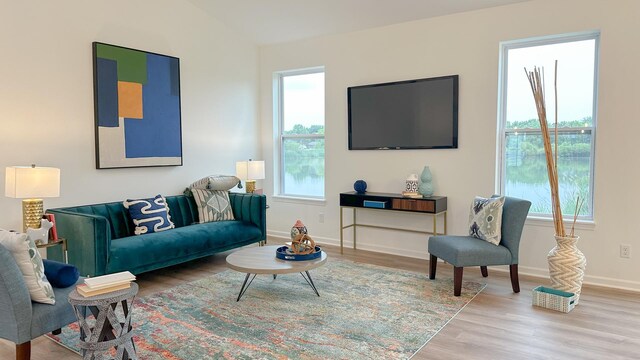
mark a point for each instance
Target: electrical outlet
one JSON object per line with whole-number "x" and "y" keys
{"x": 625, "y": 251}
{"x": 321, "y": 218}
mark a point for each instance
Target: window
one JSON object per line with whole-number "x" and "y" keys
{"x": 522, "y": 164}
{"x": 301, "y": 133}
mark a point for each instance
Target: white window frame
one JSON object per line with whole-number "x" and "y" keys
{"x": 281, "y": 137}
{"x": 505, "y": 46}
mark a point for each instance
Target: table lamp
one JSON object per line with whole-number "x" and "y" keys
{"x": 32, "y": 183}
{"x": 250, "y": 171}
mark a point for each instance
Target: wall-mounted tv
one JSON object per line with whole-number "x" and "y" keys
{"x": 412, "y": 114}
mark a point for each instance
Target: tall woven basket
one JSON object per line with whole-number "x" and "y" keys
{"x": 566, "y": 265}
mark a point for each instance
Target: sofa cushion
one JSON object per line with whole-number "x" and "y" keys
{"x": 213, "y": 205}
{"x": 187, "y": 242}
{"x": 29, "y": 262}
{"x": 149, "y": 215}
{"x": 463, "y": 251}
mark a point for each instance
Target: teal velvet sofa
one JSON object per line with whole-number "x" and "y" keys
{"x": 100, "y": 238}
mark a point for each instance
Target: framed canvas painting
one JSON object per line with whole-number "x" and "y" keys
{"x": 137, "y": 108}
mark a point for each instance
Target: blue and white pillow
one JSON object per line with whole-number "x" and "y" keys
{"x": 149, "y": 215}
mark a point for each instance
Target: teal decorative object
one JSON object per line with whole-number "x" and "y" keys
{"x": 426, "y": 185}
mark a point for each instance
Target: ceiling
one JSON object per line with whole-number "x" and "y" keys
{"x": 276, "y": 21}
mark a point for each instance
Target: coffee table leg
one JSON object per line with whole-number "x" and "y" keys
{"x": 310, "y": 282}
{"x": 245, "y": 286}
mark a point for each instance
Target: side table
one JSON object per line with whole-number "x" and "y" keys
{"x": 110, "y": 326}
{"x": 62, "y": 242}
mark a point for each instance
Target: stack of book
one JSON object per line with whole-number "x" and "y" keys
{"x": 411, "y": 194}
{"x": 105, "y": 284}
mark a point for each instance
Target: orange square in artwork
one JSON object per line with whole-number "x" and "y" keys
{"x": 129, "y": 100}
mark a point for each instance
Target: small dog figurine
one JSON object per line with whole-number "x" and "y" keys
{"x": 40, "y": 236}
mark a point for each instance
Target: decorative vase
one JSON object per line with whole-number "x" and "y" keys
{"x": 360, "y": 186}
{"x": 426, "y": 185}
{"x": 566, "y": 265}
{"x": 411, "y": 185}
{"x": 297, "y": 229}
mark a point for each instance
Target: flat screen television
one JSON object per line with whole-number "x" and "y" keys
{"x": 412, "y": 114}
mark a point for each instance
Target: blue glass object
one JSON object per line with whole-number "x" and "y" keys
{"x": 360, "y": 186}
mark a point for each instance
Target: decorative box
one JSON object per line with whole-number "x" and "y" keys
{"x": 553, "y": 299}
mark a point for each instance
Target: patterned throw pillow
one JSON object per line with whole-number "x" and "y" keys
{"x": 485, "y": 219}
{"x": 29, "y": 262}
{"x": 149, "y": 215}
{"x": 213, "y": 205}
{"x": 215, "y": 182}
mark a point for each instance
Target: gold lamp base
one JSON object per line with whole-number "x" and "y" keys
{"x": 251, "y": 186}
{"x": 32, "y": 211}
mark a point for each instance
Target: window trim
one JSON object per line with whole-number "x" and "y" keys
{"x": 281, "y": 137}
{"x": 502, "y": 132}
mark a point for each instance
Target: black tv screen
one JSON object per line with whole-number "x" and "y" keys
{"x": 412, "y": 114}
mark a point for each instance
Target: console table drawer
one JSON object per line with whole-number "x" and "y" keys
{"x": 413, "y": 205}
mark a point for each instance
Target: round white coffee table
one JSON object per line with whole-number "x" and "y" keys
{"x": 262, "y": 260}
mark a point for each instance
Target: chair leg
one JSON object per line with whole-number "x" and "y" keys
{"x": 515, "y": 283}
{"x": 483, "y": 270}
{"x": 23, "y": 351}
{"x": 457, "y": 280}
{"x": 433, "y": 264}
{"x": 57, "y": 332}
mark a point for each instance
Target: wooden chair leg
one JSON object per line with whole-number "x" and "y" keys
{"x": 483, "y": 270}
{"x": 433, "y": 264}
{"x": 457, "y": 280}
{"x": 515, "y": 283}
{"x": 57, "y": 332}
{"x": 23, "y": 351}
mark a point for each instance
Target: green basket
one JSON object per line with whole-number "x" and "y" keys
{"x": 553, "y": 299}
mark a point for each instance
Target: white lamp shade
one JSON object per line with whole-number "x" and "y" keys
{"x": 25, "y": 182}
{"x": 250, "y": 170}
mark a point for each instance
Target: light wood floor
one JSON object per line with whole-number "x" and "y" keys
{"x": 497, "y": 324}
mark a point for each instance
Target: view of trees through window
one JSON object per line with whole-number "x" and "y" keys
{"x": 302, "y": 134}
{"x": 524, "y": 172}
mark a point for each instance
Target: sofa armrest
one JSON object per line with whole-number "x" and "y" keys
{"x": 88, "y": 239}
{"x": 251, "y": 208}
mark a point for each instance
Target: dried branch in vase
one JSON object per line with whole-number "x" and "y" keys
{"x": 536, "y": 80}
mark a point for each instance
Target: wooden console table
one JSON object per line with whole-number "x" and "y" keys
{"x": 433, "y": 206}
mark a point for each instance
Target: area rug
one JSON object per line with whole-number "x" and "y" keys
{"x": 363, "y": 312}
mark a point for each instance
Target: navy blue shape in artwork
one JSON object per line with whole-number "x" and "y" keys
{"x": 107, "y": 87}
{"x": 158, "y": 133}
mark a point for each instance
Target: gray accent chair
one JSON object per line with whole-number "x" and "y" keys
{"x": 462, "y": 251}
{"x": 23, "y": 320}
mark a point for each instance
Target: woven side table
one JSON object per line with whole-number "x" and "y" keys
{"x": 109, "y": 328}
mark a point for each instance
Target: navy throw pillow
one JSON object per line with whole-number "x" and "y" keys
{"x": 149, "y": 215}
{"x": 60, "y": 275}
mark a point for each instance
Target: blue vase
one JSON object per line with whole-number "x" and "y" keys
{"x": 360, "y": 186}
{"x": 426, "y": 185}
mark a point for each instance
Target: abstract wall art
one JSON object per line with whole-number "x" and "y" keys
{"x": 137, "y": 108}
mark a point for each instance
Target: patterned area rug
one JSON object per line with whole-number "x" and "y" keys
{"x": 363, "y": 312}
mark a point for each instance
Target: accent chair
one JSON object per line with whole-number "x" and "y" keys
{"x": 464, "y": 251}
{"x": 22, "y": 319}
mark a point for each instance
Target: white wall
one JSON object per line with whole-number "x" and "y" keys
{"x": 46, "y": 94}
{"x": 468, "y": 44}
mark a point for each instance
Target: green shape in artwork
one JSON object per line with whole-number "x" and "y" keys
{"x": 132, "y": 64}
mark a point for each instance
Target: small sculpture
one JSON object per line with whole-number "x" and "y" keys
{"x": 297, "y": 229}
{"x": 303, "y": 244}
{"x": 41, "y": 235}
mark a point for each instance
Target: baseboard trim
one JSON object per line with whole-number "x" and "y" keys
{"x": 542, "y": 273}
